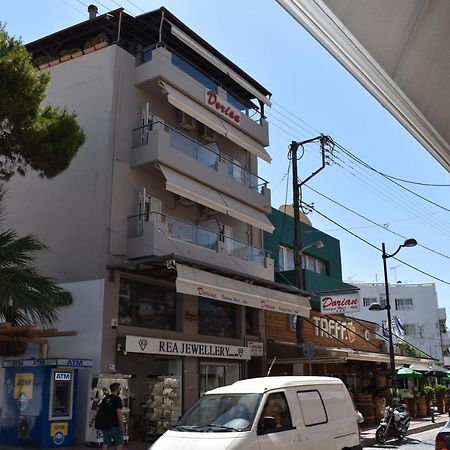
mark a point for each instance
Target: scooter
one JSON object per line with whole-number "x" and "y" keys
{"x": 393, "y": 425}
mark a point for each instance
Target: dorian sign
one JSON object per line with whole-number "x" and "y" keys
{"x": 338, "y": 304}
{"x": 222, "y": 106}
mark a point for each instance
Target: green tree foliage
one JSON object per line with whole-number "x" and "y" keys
{"x": 42, "y": 138}
{"x": 26, "y": 296}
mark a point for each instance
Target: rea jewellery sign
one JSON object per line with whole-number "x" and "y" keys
{"x": 138, "y": 344}
{"x": 338, "y": 304}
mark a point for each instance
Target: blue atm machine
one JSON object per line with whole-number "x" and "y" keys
{"x": 39, "y": 402}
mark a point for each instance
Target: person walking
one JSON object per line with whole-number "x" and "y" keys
{"x": 114, "y": 428}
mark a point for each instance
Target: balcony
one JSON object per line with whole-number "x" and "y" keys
{"x": 159, "y": 234}
{"x": 158, "y": 142}
{"x": 160, "y": 63}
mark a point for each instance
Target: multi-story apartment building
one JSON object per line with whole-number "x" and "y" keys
{"x": 156, "y": 228}
{"x": 421, "y": 322}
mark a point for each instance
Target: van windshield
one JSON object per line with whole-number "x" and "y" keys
{"x": 221, "y": 412}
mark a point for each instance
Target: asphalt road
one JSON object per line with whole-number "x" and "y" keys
{"x": 419, "y": 441}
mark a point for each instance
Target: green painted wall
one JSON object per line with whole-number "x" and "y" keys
{"x": 330, "y": 253}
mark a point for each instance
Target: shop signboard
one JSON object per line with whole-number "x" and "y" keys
{"x": 256, "y": 348}
{"x": 340, "y": 304}
{"x": 341, "y": 331}
{"x": 221, "y": 106}
{"x": 155, "y": 346}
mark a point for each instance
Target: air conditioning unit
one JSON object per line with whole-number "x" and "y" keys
{"x": 185, "y": 120}
{"x": 206, "y": 134}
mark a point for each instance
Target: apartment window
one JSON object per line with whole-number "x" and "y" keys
{"x": 403, "y": 303}
{"x": 314, "y": 264}
{"x": 285, "y": 258}
{"x": 147, "y": 305}
{"x": 410, "y": 329}
{"x": 216, "y": 318}
{"x": 367, "y": 301}
{"x": 286, "y": 261}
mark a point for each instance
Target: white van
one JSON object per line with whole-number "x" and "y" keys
{"x": 306, "y": 413}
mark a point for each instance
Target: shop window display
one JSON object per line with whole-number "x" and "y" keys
{"x": 162, "y": 406}
{"x": 147, "y": 305}
{"x": 98, "y": 390}
{"x": 216, "y": 318}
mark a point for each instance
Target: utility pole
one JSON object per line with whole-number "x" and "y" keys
{"x": 296, "y": 185}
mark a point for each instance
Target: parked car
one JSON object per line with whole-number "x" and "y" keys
{"x": 304, "y": 413}
{"x": 442, "y": 440}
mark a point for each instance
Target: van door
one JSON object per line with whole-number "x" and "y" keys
{"x": 283, "y": 434}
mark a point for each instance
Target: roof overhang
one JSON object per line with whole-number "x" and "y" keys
{"x": 403, "y": 62}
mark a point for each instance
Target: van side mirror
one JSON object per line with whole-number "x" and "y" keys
{"x": 267, "y": 424}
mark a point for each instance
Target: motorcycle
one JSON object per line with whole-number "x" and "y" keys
{"x": 393, "y": 425}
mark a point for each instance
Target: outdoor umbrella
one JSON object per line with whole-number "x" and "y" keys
{"x": 408, "y": 373}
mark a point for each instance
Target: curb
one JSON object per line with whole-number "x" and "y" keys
{"x": 369, "y": 442}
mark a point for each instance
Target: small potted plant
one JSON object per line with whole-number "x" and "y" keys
{"x": 42, "y": 61}
{"x": 100, "y": 41}
{"x": 441, "y": 392}
{"x": 71, "y": 53}
{"x": 429, "y": 394}
{"x": 421, "y": 404}
{"x": 89, "y": 46}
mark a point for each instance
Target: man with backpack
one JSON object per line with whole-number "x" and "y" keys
{"x": 109, "y": 418}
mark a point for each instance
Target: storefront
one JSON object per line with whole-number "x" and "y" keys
{"x": 164, "y": 371}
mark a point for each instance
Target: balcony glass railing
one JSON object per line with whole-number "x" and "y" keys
{"x": 197, "y": 235}
{"x": 204, "y": 79}
{"x": 200, "y": 153}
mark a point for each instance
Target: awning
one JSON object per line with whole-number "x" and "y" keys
{"x": 289, "y": 353}
{"x": 200, "y": 283}
{"x": 200, "y": 193}
{"x": 219, "y": 64}
{"x": 208, "y": 118}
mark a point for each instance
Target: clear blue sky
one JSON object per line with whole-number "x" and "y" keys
{"x": 312, "y": 94}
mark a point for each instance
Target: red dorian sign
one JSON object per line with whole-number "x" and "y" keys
{"x": 340, "y": 303}
{"x": 222, "y": 106}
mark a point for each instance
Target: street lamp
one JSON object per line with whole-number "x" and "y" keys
{"x": 317, "y": 244}
{"x": 377, "y": 307}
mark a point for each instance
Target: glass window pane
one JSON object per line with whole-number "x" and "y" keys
{"x": 147, "y": 305}
{"x": 276, "y": 406}
{"x": 312, "y": 408}
{"x": 290, "y": 259}
{"x": 216, "y": 318}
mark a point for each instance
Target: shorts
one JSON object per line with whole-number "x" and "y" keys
{"x": 113, "y": 436}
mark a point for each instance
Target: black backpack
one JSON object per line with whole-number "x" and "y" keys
{"x": 102, "y": 417}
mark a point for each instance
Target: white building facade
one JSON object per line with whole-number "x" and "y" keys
{"x": 421, "y": 321}
{"x": 156, "y": 228}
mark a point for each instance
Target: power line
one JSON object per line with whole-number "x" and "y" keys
{"x": 373, "y": 222}
{"x": 376, "y": 248}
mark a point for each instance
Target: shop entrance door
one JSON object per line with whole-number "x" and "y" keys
{"x": 214, "y": 375}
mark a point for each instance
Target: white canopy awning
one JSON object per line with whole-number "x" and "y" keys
{"x": 211, "y": 120}
{"x": 205, "y": 284}
{"x": 200, "y": 193}
{"x": 219, "y": 64}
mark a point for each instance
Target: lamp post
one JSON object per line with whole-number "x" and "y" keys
{"x": 377, "y": 307}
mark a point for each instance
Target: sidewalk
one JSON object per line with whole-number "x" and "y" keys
{"x": 367, "y": 434}
{"x": 415, "y": 426}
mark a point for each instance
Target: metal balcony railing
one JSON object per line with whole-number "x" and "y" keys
{"x": 197, "y": 235}
{"x": 206, "y": 156}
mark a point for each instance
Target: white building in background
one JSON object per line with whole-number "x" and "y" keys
{"x": 416, "y": 307}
